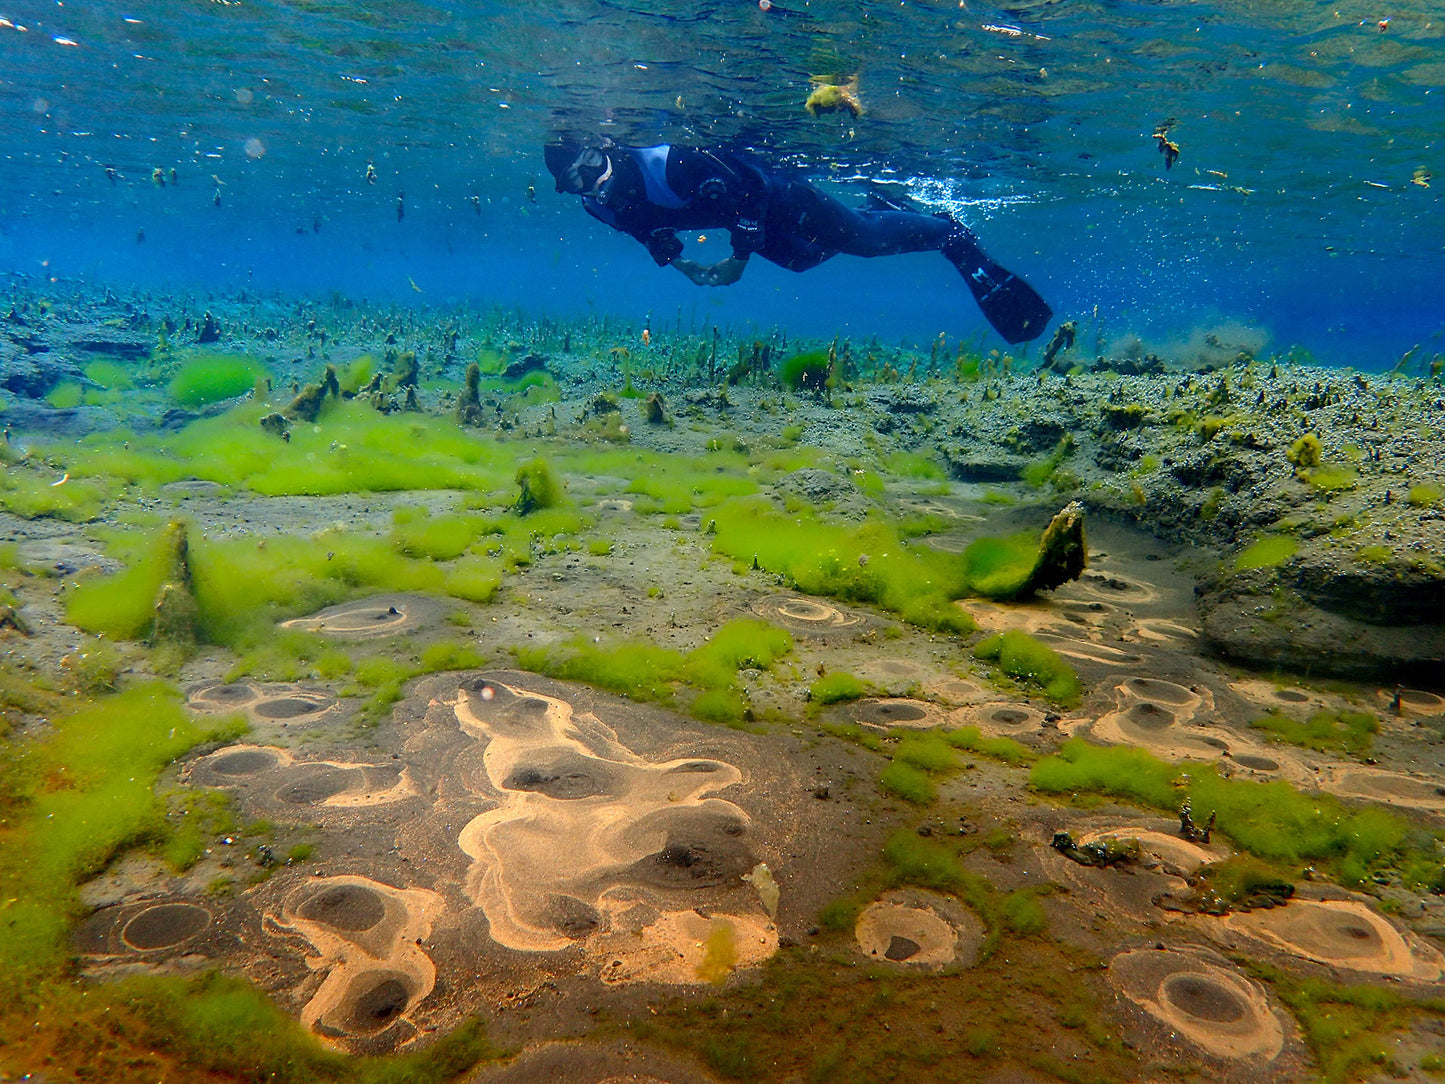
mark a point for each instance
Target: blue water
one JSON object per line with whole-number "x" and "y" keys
{"x": 1304, "y": 209}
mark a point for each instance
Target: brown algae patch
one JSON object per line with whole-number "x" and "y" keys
{"x": 1206, "y": 1004}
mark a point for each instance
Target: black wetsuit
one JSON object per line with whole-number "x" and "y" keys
{"x": 787, "y": 221}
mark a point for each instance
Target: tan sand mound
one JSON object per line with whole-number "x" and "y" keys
{"x": 367, "y": 938}
{"x": 1158, "y": 716}
{"x": 884, "y": 714}
{"x": 897, "y": 676}
{"x": 917, "y": 929}
{"x": 1204, "y": 1003}
{"x": 1115, "y": 587}
{"x": 1091, "y": 613}
{"x": 1341, "y": 933}
{"x": 809, "y": 616}
{"x": 1148, "y": 689}
{"x": 681, "y": 947}
{"x": 1088, "y": 651}
{"x": 1269, "y": 696}
{"x": 225, "y": 696}
{"x": 1001, "y": 717}
{"x": 952, "y": 690}
{"x": 266, "y": 706}
{"x": 1161, "y": 630}
{"x": 1379, "y": 785}
{"x": 1032, "y": 617}
{"x": 278, "y": 778}
{"x": 582, "y": 823}
{"x": 372, "y": 618}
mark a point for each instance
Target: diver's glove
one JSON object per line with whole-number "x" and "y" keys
{"x": 747, "y": 236}
{"x": 663, "y": 245}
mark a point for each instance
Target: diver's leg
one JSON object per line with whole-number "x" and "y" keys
{"x": 888, "y": 233}
{"x": 827, "y": 224}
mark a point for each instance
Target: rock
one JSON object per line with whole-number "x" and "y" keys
{"x": 985, "y": 464}
{"x": 1260, "y": 617}
{"x": 1063, "y": 551}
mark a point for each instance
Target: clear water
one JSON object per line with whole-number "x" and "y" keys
{"x": 1305, "y": 203}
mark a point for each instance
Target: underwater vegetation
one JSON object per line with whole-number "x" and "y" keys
{"x": 1350, "y": 1029}
{"x": 350, "y": 449}
{"x": 835, "y": 686}
{"x": 1271, "y": 820}
{"x": 867, "y": 563}
{"x": 641, "y": 670}
{"x": 71, "y": 799}
{"x": 1267, "y": 551}
{"x": 921, "y": 757}
{"x": 74, "y": 799}
{"x": 1033, "y": 662}
{"x": 1325, "y": 731}
{"x": 538, "y": 488}
{"x": 243, "y": 584}
{"x": 806, "y": 372}
{"x": 211, "y": 378}
{"x": 870, "y": 1023}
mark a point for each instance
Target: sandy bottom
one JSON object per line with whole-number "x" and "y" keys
{"x": 1208, "y": 1005}
{"x": 917, "y": 929}
{"x": 1346, "y": 934}
{"x": 540, "y": 854}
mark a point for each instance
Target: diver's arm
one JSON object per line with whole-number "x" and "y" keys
{"x": 723, "y": 273}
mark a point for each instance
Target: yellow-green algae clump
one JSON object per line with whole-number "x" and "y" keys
{"x": 642, "y": 670}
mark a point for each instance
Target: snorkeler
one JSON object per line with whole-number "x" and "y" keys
{"x": 652, "y": 192}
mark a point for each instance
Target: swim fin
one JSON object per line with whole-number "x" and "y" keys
{"x": 1011, "y": 305}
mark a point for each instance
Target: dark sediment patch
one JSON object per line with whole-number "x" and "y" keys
{"x": 901, "y": 948}
{"x": 1149, "y": 716}
{"x": 1202, "y": 997}
{"x": 381, "y": 999}
{"x": 809, "y": 616}
{"x": 289, "y": 707}
{"x": 1164, "y": 691}
{"x": 1009, "y": 717}
{"x": 231, "y": 695}
{"x": 244, "y": 762}
{"x": 348, "y": 907}
{"x": 165, "y": 925}
{"x": 318, "y": 784}
{"x": 1259, "y": 764}
{"x": 558, "y": 782}
{"x": 695, "y": 862}
{"x": 888, "y": 712}
{"x": 572, "y": 918}
{"x": 695, "y": 767}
